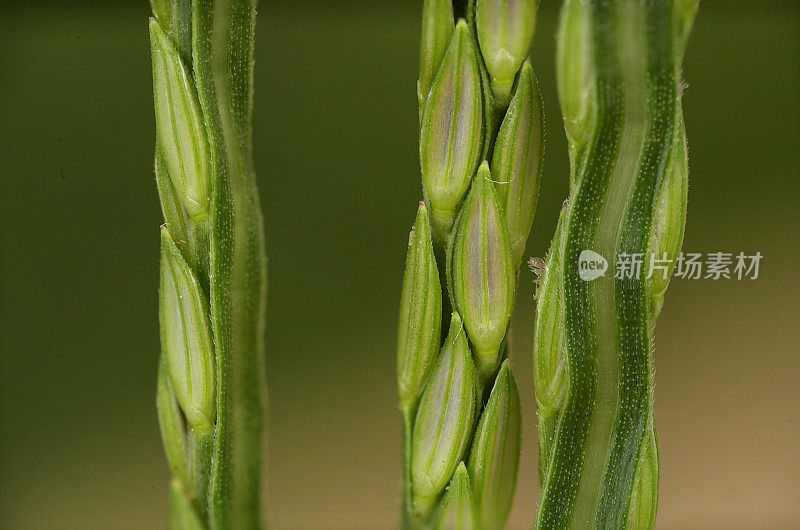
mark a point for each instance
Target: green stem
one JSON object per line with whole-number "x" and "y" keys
{"x": 200, "y": 450}
{"x": 604, "y": 423}
{"x": 182, "y": 514}
{"x": 223, "y": 61}
{"x": 409, "y": 520}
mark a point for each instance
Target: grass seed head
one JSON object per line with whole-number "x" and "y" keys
{"x": 482, "y": 272}
{"x": 180, "y": 131}
{"x": 419, "y": 324}
{"x": 186, "y": 337}
{"x": 451, "y": 137}
{"x": 457, "y": 510}
{"x": 445, "y": 419}
{"x": 517, "y": 160}
{"x": 437, "y": 29}
{"x": 494, "y": 456}
{"x": 575, "y": 72}
{"x": 505, "y": 32}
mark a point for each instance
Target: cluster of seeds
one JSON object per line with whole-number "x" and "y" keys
{"x": 481, "y": 141}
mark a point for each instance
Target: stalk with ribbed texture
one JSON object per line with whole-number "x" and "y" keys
{"x": 481, "y": 141}
{"x": 619, "y": 73}
{"x": 211, "y": 380}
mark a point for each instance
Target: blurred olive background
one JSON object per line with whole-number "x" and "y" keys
{"x": 336, "y": 154}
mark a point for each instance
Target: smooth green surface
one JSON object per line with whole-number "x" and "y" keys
{"x": 494, "y": 455}
{"x": 336, "y": 156}
{"x": 420, "y": 315}
{"x": 457, "y": 509}
{"x": 481, "y": 273}
{"x": 444, "y": 421}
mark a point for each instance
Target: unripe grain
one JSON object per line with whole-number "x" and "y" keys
{"x": 186, "y": 337}
{"x": 437, "y": 29}
{"x": 482, "y": 272}
{"x": 444, "y": 422}
{"x": 452, "y": 131}
{"x": 494, "y": 456}
{"x": 457, "y": 510}
{"x": 419, "y": 324}
{"x": 505, "y": 32}
{"x": 517, "y": 160}
{"x": 180, "y": 131}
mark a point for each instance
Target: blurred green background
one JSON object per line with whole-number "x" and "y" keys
{"x": 336, "y": 155}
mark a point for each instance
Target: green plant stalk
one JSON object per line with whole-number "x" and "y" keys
{"x": 203, "y": 68}
{"x": 481, "y": 143}
{"x": 620, "y": 89}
